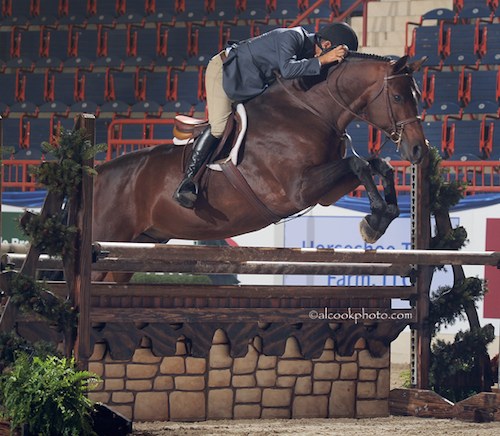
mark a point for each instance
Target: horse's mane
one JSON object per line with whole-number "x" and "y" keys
{"x": 370, "y": 56}
{"x": 307, "y": 82}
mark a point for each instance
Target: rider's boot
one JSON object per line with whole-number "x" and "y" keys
{"x": 187, "y": 192}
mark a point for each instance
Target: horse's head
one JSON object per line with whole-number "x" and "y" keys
{"x": 384, "y": 94}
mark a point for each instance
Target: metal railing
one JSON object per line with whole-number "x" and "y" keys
{"x": 479, "y": 176}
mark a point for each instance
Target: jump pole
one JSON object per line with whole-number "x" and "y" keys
{"x": 150, "y": 252}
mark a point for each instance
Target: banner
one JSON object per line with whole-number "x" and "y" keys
{"x": 491, "y": 273}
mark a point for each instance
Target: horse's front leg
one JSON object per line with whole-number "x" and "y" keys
{"x": 383, "y": 212}
{"x": 386, "y": 173}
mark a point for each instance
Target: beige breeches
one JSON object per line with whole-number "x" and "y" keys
{"x": 218, "y": 103}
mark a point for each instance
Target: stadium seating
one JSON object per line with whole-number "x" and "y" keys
{"x": 462, "y": 46}
{"x": 426, "y": 43}
{"x": 474, "y": 12}
{"x": 492, "y": 55}
{"x": 483, "y": 92}
{"x": 94, "y": 87}
{"x": 460, "y": 84}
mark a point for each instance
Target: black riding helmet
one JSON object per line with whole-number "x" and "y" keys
{"x": 338, "y": 33}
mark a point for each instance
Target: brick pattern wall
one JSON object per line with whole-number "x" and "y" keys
{"x": 186, "y": 388}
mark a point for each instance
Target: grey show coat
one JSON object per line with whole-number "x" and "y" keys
{"x": 250, "y": 64}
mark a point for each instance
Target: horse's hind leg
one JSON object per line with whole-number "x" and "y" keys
{"x": 374, "y": 225}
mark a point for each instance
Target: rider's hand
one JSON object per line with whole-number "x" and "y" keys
{"x": 335, "y": 55}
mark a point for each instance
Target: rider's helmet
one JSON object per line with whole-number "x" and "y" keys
{"x": 338, "y": 33}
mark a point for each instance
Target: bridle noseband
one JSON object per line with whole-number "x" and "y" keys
{"x": 397, "y": 130}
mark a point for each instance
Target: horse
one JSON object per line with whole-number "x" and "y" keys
{"x": 292, "y": 158}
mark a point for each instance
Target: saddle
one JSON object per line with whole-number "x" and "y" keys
{"x": 187, "y": 129}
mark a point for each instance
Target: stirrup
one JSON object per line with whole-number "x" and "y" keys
{"x": 186, "y": 193}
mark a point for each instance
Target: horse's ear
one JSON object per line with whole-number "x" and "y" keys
{"x": 399, "y": 64}
{"x": 415, "y": 66}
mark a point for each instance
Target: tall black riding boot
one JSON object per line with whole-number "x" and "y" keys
{"x": 187, "y": 192}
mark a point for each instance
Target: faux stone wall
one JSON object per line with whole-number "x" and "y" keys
{"x": 185, "y": 388}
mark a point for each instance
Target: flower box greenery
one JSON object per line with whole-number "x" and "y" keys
{"x": 46, "y": 396}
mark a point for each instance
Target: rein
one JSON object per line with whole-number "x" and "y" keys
{"x": 396, "y": 134}
{"x": 302, "y": 103}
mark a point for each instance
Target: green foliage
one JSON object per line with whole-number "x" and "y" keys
{"x": 49, "y": 234}
{"x": 11, "y": 343}
{"x": 443, "y": 195}
{"x": 7, "y": 152}
{"x": 170, "y": 278}
{"x": 454, "y": 240}
{"x": 46, "y": 392}
{"x": 447, "y": 304}
{"x": 405, "y": 376}
{"x": 455, "y": 367}
{"x": 30, "y": 296}
{"x": 64, "y": 175}
{"x": 48, "y": 395}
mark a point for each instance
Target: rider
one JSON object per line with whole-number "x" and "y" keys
{"x": 245, "y": 69}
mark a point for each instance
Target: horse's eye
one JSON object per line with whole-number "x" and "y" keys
{"x": 398, "y": 98}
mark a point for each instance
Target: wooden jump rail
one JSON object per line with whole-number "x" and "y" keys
{"x": 130, "y": 257}
{"x": 132, "y": 264}
{"x": 133, "y": 257}
{"x": 180, "y": 253}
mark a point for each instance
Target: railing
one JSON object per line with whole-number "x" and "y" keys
{"x": 120, "y": 143}
{"x": 479, "y": 176}
{"x": 16, "y": 175}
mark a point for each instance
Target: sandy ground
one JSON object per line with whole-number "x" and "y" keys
{"x": 397, "y": 425}
{"x": 407, "y": 426}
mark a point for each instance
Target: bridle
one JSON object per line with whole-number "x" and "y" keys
{"x": 395, "y": 134}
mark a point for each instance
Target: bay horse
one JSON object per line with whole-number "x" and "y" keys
{"x": 292, "y": 158}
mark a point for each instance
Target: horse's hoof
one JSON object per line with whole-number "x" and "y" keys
{"x": 368, "y": 234}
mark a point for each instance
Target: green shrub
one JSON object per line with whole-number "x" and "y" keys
{"x": 47, "y": 395}
{"x": 405, "y": 377}
{"x": 171, "y": 278}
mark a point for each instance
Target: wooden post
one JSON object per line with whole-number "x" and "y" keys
{"x": 1, "y": 176}
{"x": 81, "y": 277}
{"x": 421, "y": 233}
